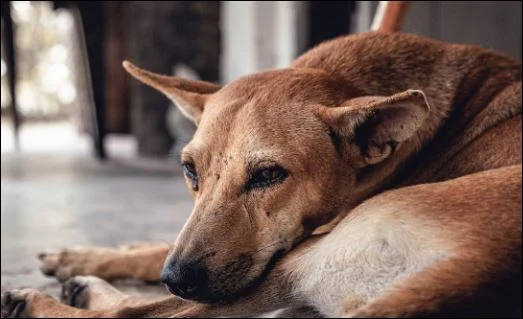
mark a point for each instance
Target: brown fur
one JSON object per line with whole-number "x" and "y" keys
{"x": 350, "y": 119}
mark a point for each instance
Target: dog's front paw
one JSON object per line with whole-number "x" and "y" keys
{"x": 60, "y": 263}
{"x": 89, "y": 292}
{"x": 67, "y": 263}
{"x": 17, "y": 303}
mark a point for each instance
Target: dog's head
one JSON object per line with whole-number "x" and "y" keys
{"x": 276, "y": 155}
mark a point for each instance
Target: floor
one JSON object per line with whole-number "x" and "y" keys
{"x": 56, "y": 195}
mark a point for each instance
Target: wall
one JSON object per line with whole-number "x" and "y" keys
{"x": 491, "y": 24}
{"x": 260, "y": 35}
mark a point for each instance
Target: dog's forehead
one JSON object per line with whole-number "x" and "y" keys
{"x": 268, "y": 99}
{"x": 277, "y": 96}
{"x": 246, "y": 126}
{"x": 264, "y": 112}
{"x": 282, "y": 85}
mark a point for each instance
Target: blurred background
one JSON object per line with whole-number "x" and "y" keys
{"x": 68, "y": 79}
{"x": 90, "y": 157}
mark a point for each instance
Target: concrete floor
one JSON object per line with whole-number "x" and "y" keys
{"x": 65, "y": 199}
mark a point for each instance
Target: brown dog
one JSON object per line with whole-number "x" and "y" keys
{"x": 281, "y": 154}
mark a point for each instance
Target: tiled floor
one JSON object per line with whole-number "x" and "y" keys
{"x": 51, "y": 200}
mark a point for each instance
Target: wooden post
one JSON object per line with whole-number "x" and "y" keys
{"x": 390, "y": 16}
{"x": 10, "y": 30}
{"x": 116, "y": 103}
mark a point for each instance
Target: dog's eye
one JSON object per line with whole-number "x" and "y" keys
{"x": 266, "y": 177}
{"x": 190, "y": 172}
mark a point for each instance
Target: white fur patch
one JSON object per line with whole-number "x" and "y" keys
{"x": 363, "y": 256}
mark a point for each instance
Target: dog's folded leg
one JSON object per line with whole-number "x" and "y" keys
{"x": 143, "y": 262}
{"x": 449, "y": 287}
{"x": 272, "y": 294}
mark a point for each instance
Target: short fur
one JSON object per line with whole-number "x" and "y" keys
{"x": 403, "y": 195}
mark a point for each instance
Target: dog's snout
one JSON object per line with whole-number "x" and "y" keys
{"x": 184, "y": 279}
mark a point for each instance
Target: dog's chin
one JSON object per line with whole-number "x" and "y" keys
{"x": 241, "y": 289}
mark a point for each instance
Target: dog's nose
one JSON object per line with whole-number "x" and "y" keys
{"x": 186, "y": 280}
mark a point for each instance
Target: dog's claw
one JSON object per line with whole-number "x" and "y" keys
{"x": 73, "y": 293}
{"x": 19, "y": 307}
{"x": 14, "y": 303}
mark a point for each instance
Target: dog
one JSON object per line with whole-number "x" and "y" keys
{"x": 378, "y": 176}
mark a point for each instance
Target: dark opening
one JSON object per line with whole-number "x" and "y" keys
{"x": 328, "y": 19}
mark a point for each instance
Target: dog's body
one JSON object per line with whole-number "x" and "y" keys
{"x": 451, "y": 247}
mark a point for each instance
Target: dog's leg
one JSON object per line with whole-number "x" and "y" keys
{"x": 142, "y": 261}
{"x": 32, "y": 303}
{"x": 440, "y": 289}
{"x": 475, "y": 235}
{"x": 272, "y": 294}
{"x": 96, "y": 294}
{"x": 93, "y": 293}
{"x": 29, "y": 303}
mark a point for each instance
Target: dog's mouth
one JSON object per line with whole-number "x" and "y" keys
{"x": 233, "y": 282}
{"x": 231, "y": 291}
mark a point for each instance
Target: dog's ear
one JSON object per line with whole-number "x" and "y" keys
{"x": 374, "y": 126}
{"x": 188, "y": 95}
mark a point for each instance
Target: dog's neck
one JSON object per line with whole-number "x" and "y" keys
{"x": 454, "y": 105}
{"x": 458, "y": 80}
